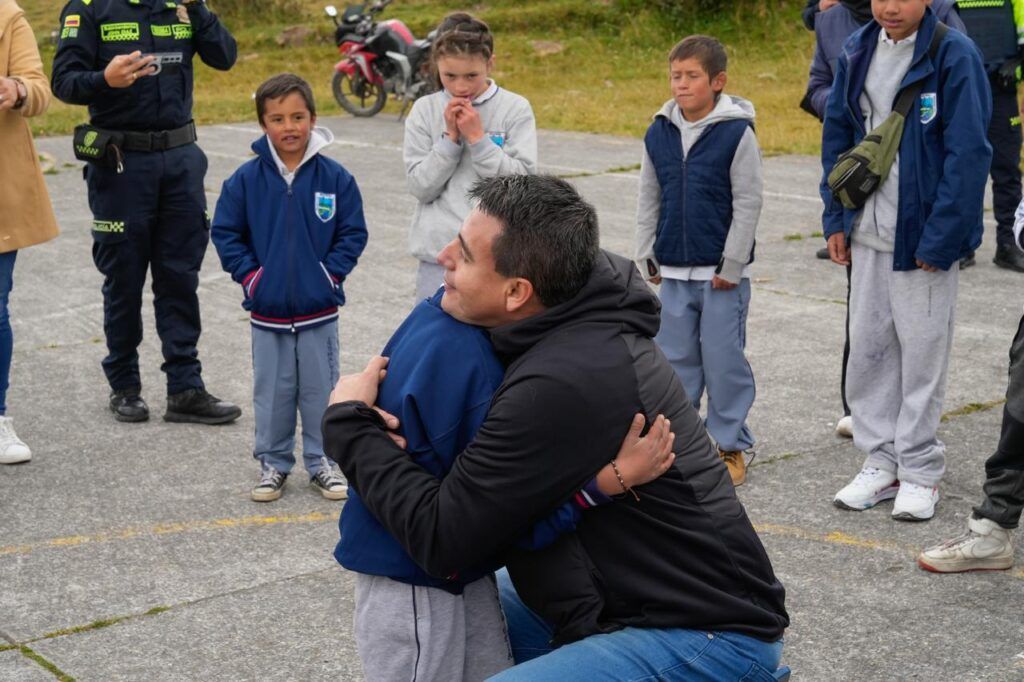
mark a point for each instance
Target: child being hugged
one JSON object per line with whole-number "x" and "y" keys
{"x": 289, "y": 228}
{"x": 471, "y": 129}
{"x": 699, "y": 203}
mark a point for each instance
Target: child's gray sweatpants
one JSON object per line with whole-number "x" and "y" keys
{"x": 406, "y": 632}
{"x": 901, "y": 330}
{"x": 292, "y": 373}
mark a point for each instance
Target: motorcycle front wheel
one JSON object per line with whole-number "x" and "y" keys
{"x": 358, "y": 96}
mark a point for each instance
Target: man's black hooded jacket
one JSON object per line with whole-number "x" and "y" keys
{"x": 685, "y": 555}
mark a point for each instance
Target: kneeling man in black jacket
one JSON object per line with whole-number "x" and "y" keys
{"x": 671, "y": 581}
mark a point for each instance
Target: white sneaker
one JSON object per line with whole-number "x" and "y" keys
{"x": 915, "y": 502}
{"x": 12, "y": 449}
{"x": 986, "y": 546}
{"x": 868, "y": 488}
{"x": 844, "y": 427}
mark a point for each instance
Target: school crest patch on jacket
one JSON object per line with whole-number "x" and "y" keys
{"x": 929, "y": 107}
{"x": 325, "y": 206}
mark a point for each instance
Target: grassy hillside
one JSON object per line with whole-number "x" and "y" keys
{"x": 609, "y": 76}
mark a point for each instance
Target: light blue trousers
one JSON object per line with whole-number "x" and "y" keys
{"x": 292, "y": 373}
{"x": 703, "y": 334}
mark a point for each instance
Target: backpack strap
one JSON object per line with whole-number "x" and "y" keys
{"x": 910, "y": 93}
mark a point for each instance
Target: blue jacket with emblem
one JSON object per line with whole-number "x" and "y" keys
{"x": 93, "y": 32}
{"x": 290, "y": 246}
{"x": 944, "y": 152}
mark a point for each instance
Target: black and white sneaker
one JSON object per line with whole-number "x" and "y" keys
{"x": 271, "y": 485}
{"x": 329, "y": 482}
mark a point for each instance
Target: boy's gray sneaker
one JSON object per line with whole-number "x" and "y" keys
{"x": 986, "y": 546}
{"x": 271, "y": 485}
{"x": 329, "y": 482}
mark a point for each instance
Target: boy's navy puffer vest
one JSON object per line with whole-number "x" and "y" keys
{"x": 696, "y": 192}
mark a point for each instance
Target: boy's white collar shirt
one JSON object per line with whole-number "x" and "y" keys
{"x": 883, "y": 37}
{"x": 318, "y": 139}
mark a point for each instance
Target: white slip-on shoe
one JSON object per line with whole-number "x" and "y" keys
{"x": 915, "y": 502}
{"x": 868, "y": 488}
{"x": 986, "y": 546}
{"x": 12, "y": 449}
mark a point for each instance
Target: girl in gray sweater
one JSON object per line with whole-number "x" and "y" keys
{"x": 470, "y": 129}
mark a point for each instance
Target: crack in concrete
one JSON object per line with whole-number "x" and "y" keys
{"x": 45, "y": 664}
{"x": 157, "y": 610}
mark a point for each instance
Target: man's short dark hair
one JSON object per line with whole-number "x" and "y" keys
{"x": 705, "y": 49}
{"x": 280, "y": 86}
{"x": 549, "y": 233}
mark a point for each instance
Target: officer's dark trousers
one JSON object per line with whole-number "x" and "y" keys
{"x": 151, "y": 217}
{"x": 1004, "y": 471}
{"x": 1004, "y": 134}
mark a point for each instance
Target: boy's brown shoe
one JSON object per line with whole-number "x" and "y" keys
{"x": 736, "y": 463}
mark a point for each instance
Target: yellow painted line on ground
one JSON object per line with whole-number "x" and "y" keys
{"x": 833, "y": 538}
{"x": 168, "y": 529}
{"x": 840, "y": 538}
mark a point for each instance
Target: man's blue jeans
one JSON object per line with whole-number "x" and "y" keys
{"x": 631, "y": 654}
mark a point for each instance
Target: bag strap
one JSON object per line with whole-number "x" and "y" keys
{"x": 910, "y": 93}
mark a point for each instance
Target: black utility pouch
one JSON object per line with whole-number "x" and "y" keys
{"x": 98, "y": 146}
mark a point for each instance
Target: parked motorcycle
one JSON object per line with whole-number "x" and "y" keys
{"x": 377, "y": 59}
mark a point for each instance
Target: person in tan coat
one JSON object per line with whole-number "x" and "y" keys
{"x": 28, "y": 215}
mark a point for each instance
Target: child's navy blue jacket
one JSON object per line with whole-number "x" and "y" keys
{"x": 944, "y": 154}
{"x": 442, "y": 374}
{"x": 290, "y": 247}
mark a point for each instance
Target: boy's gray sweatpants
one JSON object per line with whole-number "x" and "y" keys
{"x": 901, "y": 330}
{"x": 292, "y": 372}
{"x": 406, "y": 632}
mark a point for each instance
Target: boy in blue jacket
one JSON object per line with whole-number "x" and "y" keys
{"x": 289, "y": 228}
{"x": 907, "y": 241}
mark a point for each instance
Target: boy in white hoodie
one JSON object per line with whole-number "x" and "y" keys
{"x": 700, "y": 200}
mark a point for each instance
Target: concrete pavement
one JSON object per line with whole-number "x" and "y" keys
{"x": 134, "y": 552}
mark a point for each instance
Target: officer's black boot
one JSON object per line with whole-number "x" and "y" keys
{"x": 199, "y": 407}
{"x": 128, "y": 406}
{"x": 1009, "y": 258}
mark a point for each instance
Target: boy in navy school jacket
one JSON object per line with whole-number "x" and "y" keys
{"x": 289, "y": 228}
{"x": 907, "y": 241}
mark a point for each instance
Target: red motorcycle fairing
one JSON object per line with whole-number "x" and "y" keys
{"x": 400, "y": 28}
{"x": 358, "y": 61}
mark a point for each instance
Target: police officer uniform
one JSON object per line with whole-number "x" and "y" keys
{"x": 148, "y": 202}
{"x": 997, "y": 28}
